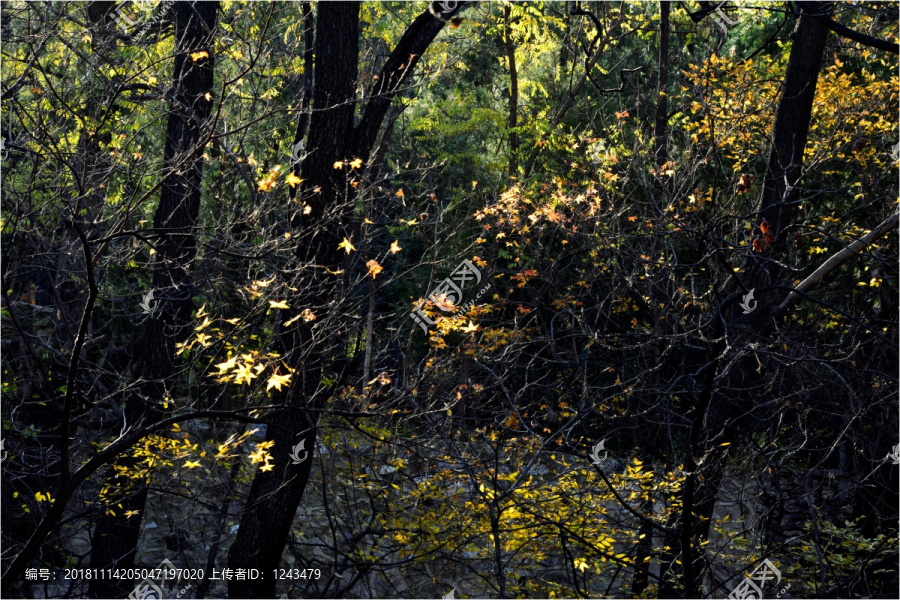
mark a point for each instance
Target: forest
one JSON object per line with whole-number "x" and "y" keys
{"x": 449, "y": 299}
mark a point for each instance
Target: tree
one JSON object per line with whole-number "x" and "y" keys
{"x": 332, "y": 137}
{"x": 115, "y": 537}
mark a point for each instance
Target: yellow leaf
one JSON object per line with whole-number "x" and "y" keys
{"x": 277, "y": 304}
{"x": 266, "y": 467}
{"x": 208, "y": 96}
{"x": 276, "y": 381}
{"x": 243, "y": 373}
{"x": 308, "y": 315}
{"x": 293, "y": 180}
{"x": 470, "y": 327}
{"x": 374, "y": 268}
{"x": 346, "y": 246}
{"x": 192, "y": 464}
{"x": 195, "y": 56}
{"x": 356, "y": 163}
{"x": 339, "y": 164}
{"x": 395, "y": 247}
{"x": 225, "y": 366}
{"x": 266, "y": 184}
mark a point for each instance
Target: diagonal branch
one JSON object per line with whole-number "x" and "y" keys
{"x": 862, "y": 38}
{"x": 399, "y": 68}
{"x": 836, "y": 261}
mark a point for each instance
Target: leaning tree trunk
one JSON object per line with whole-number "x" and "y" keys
{"x": 114, "y": 542}
{"x": 712, "y": 425}
{"x": 275, "y": 494}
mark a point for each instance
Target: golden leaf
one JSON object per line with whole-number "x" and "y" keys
{"x": 276, "y": 381}
{"x": 346, "y": 246}
{"x": 374, "y": 268}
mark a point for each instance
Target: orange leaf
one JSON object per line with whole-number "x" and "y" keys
{"x": 374, "y": 268}
{"x": 744, "y": 183}
{"x": 764, "y": 227}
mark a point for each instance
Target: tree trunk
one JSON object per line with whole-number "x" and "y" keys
{"x": 778, "y": 203}
{"x": 712, "y": 425}
{"x": 660, "y": 132}
{"x": 513, "y": 119}
{"x": 114, "y": 541}
{"x": 274, "y": 495}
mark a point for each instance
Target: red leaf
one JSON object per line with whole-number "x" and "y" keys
{"x": 744, "y": 183}
{"x": 764, "y": 227}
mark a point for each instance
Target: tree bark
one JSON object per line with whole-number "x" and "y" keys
{"x": 275, "y": 494}
{"x": 792, "y": 118}
{"x": 513, "y": 119}
{"x": 114, "y": 541}
{"x": 712, "y": 423}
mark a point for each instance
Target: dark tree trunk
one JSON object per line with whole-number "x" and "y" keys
{"x": 713, "y": 423}
{"x": 792, "y": 119}
{"x": 513, "y": 119}
{"x": 660, "y": 128}
{"x": 274, "y": 495}
{"x": 660, "y": 133}
{"x": 115, "y": 538}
